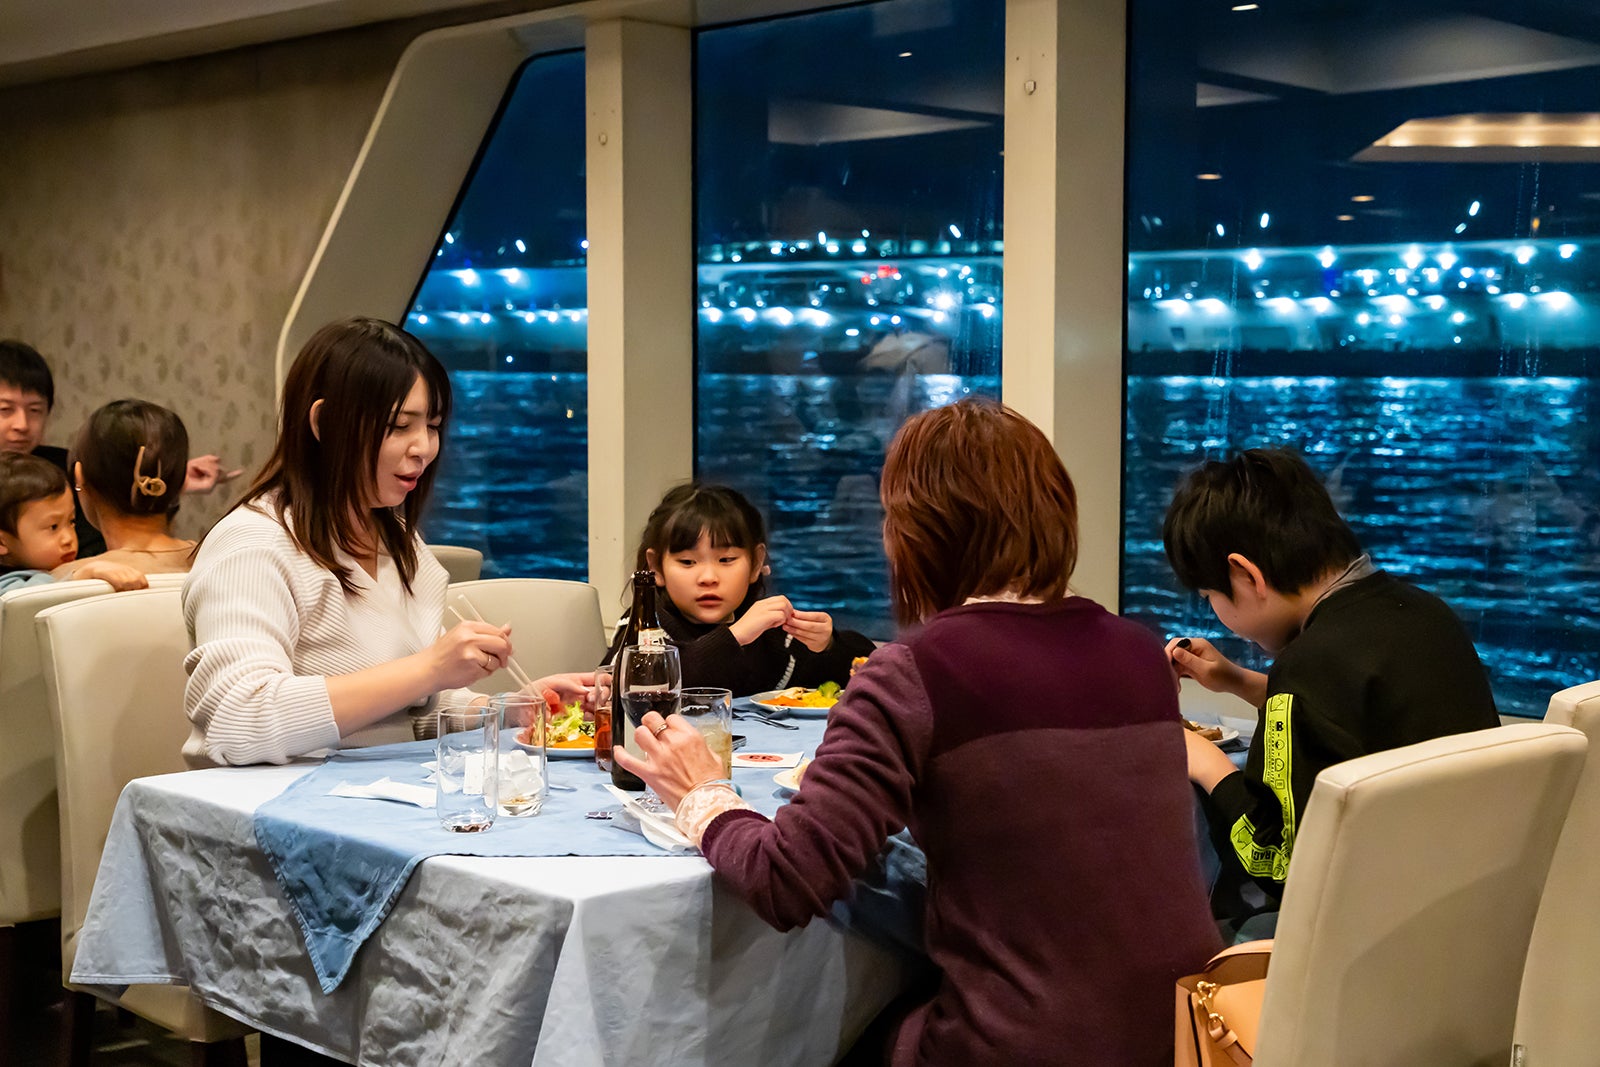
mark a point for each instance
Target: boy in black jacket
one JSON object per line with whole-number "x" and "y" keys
{"x": 1364, "y": 662}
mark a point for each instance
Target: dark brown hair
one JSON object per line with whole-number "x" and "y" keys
{"x": 692, "y": 509}
{"x": 1266, "y": 504}
{"x": 108, "y": 445}
{"x": 361, "y": 369}
{"x": 975, "y": 502}
{"x": 24, "y": 479}
{"x": 22, "y": 366}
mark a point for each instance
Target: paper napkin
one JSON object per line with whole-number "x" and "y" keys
{"x": 387, "y": 789}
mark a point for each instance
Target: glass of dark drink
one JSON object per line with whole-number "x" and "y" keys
{"x": 648, "y": 678}
{"x": 600, "y": 698}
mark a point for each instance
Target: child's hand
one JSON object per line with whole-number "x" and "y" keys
{"x": 762, "y": 616}
{"x": 119, "y": 576}
{"x": 1197, "y": 658}
{"x": 814, "y": 629}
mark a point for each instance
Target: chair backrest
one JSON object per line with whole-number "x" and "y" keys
{"x": 1411, "y": 898}
{"x": 30, "y": 838}
{"x": 113, "y": 671}
{"x": 462, "y": 564}
{"x": 555, "y": 625}
{"x": 1556, "y": 1020}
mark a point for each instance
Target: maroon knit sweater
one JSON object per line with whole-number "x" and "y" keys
{"x": 1036, "y": 754}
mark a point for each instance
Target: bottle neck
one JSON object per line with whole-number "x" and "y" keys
{"x": 645, "y": 621}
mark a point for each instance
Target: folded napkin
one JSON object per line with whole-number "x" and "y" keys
{"x": 656, "y": 827}
{"x": 387, "y": 789}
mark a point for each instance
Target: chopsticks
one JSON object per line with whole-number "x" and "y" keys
{"x": 512, "y": 665}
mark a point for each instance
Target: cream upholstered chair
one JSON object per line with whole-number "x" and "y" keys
{"x": 1410, "y": 900}
{"x": 555, "y": 625}
{"x": 462, "y": 564}
{"x": 30, "y": 836}
{"x": 1556, "y": 1018}
{"x": 108, "y": 733}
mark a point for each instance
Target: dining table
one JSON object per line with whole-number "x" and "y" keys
{"x": 570, "y": 960}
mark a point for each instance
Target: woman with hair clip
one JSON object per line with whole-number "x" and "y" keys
{"x": 1028, "y": 738}
{"x": 128, "y": 463}
{"x": 313, "y": 606}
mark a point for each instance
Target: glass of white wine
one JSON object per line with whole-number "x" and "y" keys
{"x": 711, "y": 712}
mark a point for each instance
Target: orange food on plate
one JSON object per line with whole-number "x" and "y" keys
{"x": 801, "y": 697}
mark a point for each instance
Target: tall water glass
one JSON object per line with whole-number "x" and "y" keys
{"x": 466, "y": 792}
{"x": 524, "y": 773}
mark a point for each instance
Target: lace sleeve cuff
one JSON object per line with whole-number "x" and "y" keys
{"x": 704, "y": 803}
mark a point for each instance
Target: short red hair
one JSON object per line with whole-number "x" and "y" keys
{"x": 976, "y": 503}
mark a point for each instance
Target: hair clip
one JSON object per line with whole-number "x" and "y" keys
{"x": 143, "y": 484}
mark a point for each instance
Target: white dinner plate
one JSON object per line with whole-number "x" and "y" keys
{"x": 786, "y": 779}
{"x": 559, "y": 753}
{"x": 761, "y": 700}
{"x": 1228, "y": 733}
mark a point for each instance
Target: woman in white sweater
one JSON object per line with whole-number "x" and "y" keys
{"x": 313, "y": 607}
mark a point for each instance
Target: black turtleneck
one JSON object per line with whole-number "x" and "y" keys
{"x": 712, "y": 656}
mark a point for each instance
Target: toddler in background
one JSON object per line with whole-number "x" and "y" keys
{"x": 707, "y": 547}
{"x": 37, "y": 533}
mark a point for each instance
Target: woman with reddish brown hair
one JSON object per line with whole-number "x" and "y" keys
{"x": 1030, "y": 740}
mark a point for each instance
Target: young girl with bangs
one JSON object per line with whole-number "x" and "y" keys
{"x": 1031, "y": 742}
{"x": 707, "y": 546}
{"x": 313, "y": 606}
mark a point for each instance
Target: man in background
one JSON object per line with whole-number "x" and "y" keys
{"x": 27, "y": 396}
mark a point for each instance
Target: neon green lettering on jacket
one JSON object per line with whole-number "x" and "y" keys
{"x": 1271, "y": 861}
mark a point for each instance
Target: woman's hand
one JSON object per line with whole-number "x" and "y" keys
{"x": 468, "y": 653}
{"x": 763, "y": 616}
{"x": 119, "y": 576}
{"x": 1197, "y": 658}
{"x": 678, "y": 757}
{"x": 814, "y": 629}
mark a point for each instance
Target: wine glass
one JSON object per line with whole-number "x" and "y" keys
{"x": 648, "y": 678}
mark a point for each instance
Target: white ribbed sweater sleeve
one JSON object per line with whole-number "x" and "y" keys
{"x": 268, "y": 626}
{"x": 244, "y": 697}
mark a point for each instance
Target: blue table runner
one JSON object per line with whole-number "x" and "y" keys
{"x": 342, "y": 862}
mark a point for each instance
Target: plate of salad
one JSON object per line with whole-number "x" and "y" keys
{"x": 568, "y": 735}
{"x": 798, "y": 700}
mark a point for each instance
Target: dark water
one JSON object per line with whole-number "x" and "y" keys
{"x": 1485, "y": 491}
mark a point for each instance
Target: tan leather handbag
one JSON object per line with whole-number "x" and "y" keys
{"x": 1219, "y": 1010}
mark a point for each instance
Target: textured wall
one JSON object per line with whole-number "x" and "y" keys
{"x": 155, "y": 224}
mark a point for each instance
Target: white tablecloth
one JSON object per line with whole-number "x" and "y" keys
{"x": 580, "y": 961}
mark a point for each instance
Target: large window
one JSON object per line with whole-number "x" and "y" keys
{"x": 849, "y": 238}
{"x": 504, "y": 305}
{"x": 1371, "y": 232}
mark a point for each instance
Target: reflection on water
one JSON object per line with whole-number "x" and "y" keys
{"x": 1484, "y": 490}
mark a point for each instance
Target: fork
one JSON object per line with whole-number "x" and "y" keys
{"x": 766, "y": 719}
